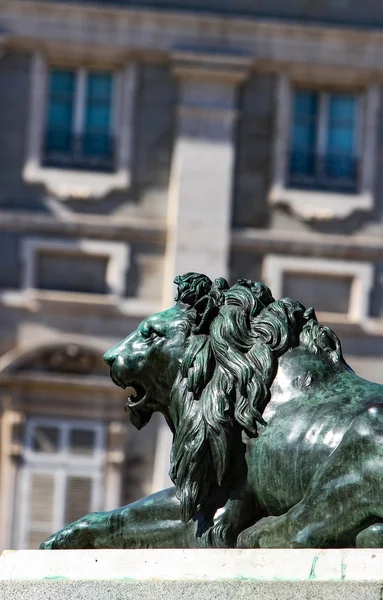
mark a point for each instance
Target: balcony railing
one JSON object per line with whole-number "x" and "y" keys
{"x": 337, "y": 172}
{"x": 89, "y": 151}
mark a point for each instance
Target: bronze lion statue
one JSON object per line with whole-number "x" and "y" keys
{"x": 277, "y": 443}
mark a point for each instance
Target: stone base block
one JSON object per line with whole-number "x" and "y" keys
{"x": 189, "y": 574}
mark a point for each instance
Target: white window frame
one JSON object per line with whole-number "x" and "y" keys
{"x": 60, "y": 466}
{"x": 71, "y": 183}
{"x": 118, "y": 255}
{"x": 275, "y": 266}
{"x": 313, "y": 204}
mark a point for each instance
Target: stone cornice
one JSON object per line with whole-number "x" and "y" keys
{"x": 128, "y": 229}
{"x": 263, "y": 241}
{"x": 127, "y": 30}
{"x": 175, "y": 17}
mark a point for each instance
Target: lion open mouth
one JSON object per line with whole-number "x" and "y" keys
{"x": 136, "y": 395}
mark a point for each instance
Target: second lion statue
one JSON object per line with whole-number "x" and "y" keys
{"x": 277, "y": 443}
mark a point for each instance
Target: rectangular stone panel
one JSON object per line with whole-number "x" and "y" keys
{"x": 325, "y": 293}
{"x": 71, "y": 272}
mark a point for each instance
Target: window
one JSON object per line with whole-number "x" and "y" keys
{"x": 324, "y": 147}
{"x": 61, "y": 478}
{"x": 324, "y": 140}
{"x": 79, "y": 120}
{"x": 338, "y": 288}
{"x": 75, "y": 266}
{"x": 80, "y": 129}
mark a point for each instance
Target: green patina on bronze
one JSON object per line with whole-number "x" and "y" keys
{"x": 277, "y": 442}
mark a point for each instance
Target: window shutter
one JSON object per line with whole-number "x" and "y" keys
{"x": 61, "y": 479}
{"x": 77, "y": 498}
{"x": 40, "y": 523}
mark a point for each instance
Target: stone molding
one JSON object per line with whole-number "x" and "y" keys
{"x": 74, "y": 304}
{"x": 123, "y": 228}
{"x": 262, "y": 241}
{"x": 131, "y": 229}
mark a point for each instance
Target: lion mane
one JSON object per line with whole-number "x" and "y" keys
{"x": 236, "y": 336}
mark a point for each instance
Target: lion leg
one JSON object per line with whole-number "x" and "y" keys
{"x": 343, "y": 499}
{"x": 153, "y": 522}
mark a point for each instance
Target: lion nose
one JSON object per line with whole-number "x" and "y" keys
{"x": 109, "y": 357}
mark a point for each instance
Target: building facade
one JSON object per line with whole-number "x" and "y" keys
{"x": 141, "y": 140}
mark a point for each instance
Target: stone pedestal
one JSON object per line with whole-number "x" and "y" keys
{"x": 187, "y": 574}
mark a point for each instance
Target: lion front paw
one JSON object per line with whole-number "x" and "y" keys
{"x": 269, "y": 532}
{"x": 79, "y": 535}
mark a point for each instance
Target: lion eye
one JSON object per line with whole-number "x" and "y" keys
{"x": 149, "y": 333}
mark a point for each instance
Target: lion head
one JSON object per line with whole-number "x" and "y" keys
{"x": 207, "y": 365}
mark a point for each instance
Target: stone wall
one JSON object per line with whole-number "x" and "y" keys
{"x": 14, "y": 109}
{"x": 254, "y": 146}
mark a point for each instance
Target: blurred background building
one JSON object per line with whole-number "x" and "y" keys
{"x": 139, "y": 140}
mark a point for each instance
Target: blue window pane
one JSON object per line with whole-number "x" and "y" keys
{"x": 60, "y": 110}
{"x": 97, "y": 140}
{"x": 341, "y": 123}
{"x": 98, "y": 117}
{"x": 342, "y": 107}
{"x": 100, "y": 85}
{"x": 304, "y": 132}
{"x": 305, "y": 104}
{"x": 341, "y": 139}
{"x": 61, "y": 82}
{"x": 60, "y": 114}
{"x": 304, "y": 137}
{"x": 341, "y": 132}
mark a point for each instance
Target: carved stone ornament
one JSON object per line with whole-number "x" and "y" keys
{"x": 277, "y": 442}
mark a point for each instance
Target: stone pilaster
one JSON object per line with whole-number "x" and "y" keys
{"x": 202, "y": 171}
{"x": 201, "y": 183}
